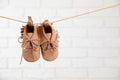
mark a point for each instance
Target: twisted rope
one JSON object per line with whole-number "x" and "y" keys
{"x": 67, "y": 18}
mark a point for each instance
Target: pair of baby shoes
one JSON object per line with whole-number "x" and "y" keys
{"x": 36, "y": 39}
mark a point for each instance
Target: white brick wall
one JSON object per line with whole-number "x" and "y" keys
{"x": 89, "y": 45}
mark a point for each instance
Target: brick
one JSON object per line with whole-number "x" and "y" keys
{"x": 87, "y": 3}
{"x": 106, "y": 13}
{"x": 14, "y": 63}
{"x": 11, "y": 11}
{"x": 80, "y": 42}
{"x": 112, "y": 21}
{"x": 73, "y": 52}
{"x": 13, "y": 43}
{"x": 59, "y": 62}
{"x": 11, "y": 32}
{"x": 67, "y": 12}
{"x": 3, "y": 24}
{"x": 87, "y": 62}
{"x": 11, "y": 52}
{"x": 14, "y": 33}
{"x": 4, "y": 33}
{"x": 103, "y": 52}
{"x": 104, "y": 42}
{"x": 111, "y": 42}
{"x": 63, "y": 24}
{"x": 77, "y": 42}
{"x": 3, "y": 63}
{"x": 81, "y": 10}
{"x": 69, "y": 79}
{"x": 110, "y": 2}
{"x": 38, "y": 73}
{"x": 73, "y": 32}
{"x": 17, "y": 25}
{"x": 3, "y": 43}
{"x": 112, "y": 62}
{"x": 103, "y": 73}
{"x": 104, "y": 79}
{"x": 89, "y": 21}
{"x": 5, "y": 73}
{"x": 57, "y": 4}
{"x": 25, "y": 3}
{"x": 3, "y": 3}
{"x": 11, "y": 78}
{"x": 32, "y": 79}
{"x": 65, "y": 42}
{"x": 40, "y": 12}
{"x": 71, "y": 73}
{"x": 103, "y": 32}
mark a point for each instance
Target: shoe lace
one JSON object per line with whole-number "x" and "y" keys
{"x": 50, "y": 45}
{"x": 33, "y": 44}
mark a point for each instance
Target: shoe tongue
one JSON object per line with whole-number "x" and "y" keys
{"x": 48, "y": 35}
{"x": 29, "y": 34}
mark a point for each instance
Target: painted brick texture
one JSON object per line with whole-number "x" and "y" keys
{"x": 89, "y": 45}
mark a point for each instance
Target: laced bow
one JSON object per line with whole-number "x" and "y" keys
{"x": 33, "y": 43}
{"x": 49, "y": 45}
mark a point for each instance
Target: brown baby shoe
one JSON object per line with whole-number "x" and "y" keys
{"x": 49, "y": 41}
{"x": 30, "y": 43}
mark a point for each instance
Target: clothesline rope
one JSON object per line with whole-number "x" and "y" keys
{"x": 86, "y": 13}
{"x": 67, "y": 18}
{"x": 13, "y": 19}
